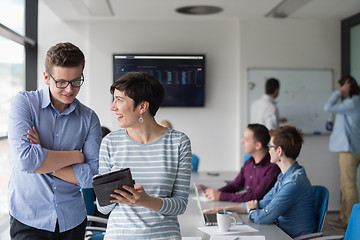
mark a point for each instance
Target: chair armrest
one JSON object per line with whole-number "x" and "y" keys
{"x": 97, "y": 219}
{"x": 309, "y": 236}
{"x": 333, "y": 237}
{"x": 95, "y": 229}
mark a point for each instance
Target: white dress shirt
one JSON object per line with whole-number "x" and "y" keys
{"x": 264, "y": 111}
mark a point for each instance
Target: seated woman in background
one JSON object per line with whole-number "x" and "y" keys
{"x": 159, "y": 159}
{"x": 290, "y": 203}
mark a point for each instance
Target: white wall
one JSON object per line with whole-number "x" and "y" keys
{"x": 231, "y": 47}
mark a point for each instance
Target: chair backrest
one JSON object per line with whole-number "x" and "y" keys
{"x": 353, "y": 229}
{"x": 195, "y": 163}
{"x": 321, "y": 194}
{"x": 246, "y": 157}
{"x": 89, "y": 198}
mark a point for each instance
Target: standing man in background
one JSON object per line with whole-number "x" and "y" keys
{"x": 54, "y": 144}
{"x": 264, "y": 110}
{"x": 345, "y": 138}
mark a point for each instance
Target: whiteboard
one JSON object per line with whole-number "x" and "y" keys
{"x": 303, "y": 93}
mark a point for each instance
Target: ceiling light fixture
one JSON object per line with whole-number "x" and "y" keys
{"x": 199, "y": 10}
{"x": 286, "y": 8}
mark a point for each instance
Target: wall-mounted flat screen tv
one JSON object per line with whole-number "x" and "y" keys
{"x": 182, "y": 76}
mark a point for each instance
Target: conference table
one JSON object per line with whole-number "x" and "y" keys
{"x": 192, "y": 218}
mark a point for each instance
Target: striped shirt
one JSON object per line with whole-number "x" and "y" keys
{"x": 163, "y": 168}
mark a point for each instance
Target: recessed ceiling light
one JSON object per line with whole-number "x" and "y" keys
{"x": 199, "y": 10}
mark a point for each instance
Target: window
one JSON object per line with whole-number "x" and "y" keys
{"x": 18, "y": 35}
{"x": 350, "y": 47}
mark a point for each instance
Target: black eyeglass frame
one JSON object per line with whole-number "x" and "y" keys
{"x": 81, "y": 80}
{"x": 272, "y": 146}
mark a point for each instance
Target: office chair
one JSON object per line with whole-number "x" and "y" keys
{"x": 321, "y": 195}
{"x": 92, "y": 232}
{"x": 321, "y": 206}
{"x": 194, "y": 163}
{"x": 353, "y": 229}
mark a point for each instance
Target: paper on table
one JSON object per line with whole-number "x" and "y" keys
{"x": 202, "y": 199}
{"x": 237, "y": 238}
{"x": 214, "y": 230}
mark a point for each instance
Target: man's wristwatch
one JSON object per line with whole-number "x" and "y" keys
{"x": 251, "y": 209}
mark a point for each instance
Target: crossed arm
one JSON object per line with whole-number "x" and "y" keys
{"x": 58, "y": 163}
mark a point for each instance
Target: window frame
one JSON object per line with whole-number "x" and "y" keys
{"x": 29, "y": 41}
{"x": 346, "y": 26}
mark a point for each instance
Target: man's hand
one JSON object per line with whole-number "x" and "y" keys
{"x": 212, "y": 194}
{"x": 33, "y": 136}
{"x": 345, "y": 89}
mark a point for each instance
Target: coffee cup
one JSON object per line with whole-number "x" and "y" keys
{"x": 225, "y": 220}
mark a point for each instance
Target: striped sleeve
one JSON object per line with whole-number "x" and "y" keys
{"x": 176, "y": 205}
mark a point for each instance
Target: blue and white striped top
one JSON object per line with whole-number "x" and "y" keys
{"x": 163, "y": 168}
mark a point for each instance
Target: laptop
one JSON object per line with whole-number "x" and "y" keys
{"x": 209, "y": 219}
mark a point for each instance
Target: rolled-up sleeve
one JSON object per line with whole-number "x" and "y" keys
{"x": 333, "y": 106}
{"x": 28, "y": 157}
{"x": 85, "y": 172}
{"x": 279, "y": 203}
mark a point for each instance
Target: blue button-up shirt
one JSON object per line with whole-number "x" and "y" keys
{"x": 40, "y": 200}
{"x": 345, "y": 136}
{"x": 290, "y": 204}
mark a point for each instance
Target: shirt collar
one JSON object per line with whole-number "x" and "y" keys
{"x": 46, "y": 97}
{"x": 267, "y": 97}
{"x": 289, "y": 172}
{"x": 263, "y": 161}
{"x": 47, "y": 101}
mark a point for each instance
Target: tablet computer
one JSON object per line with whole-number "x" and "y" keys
{"x": 105, "y": 184}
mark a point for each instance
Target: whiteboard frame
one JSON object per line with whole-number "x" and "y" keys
{"x": 324, "y": 90}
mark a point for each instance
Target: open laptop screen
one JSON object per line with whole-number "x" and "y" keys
{"x": 209, "y": 219}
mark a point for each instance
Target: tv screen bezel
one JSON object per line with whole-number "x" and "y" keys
{"x": 169, "y": 55}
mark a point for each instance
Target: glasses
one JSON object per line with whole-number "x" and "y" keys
{"x": 74, "y": 83}
{"x": 272, "y": 146}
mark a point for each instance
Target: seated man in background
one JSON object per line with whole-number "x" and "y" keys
{"x": 290, "y": 203}
{"x": 256, "y": 177}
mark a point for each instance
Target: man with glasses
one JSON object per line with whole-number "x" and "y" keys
{"x": 256, "y": 177}
{"x": 54, "y": 142}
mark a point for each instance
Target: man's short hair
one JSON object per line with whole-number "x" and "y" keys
{"x": 261, "y": 134}
{"x": 64, "y": 55}
{"x": 140, "y": 86}
{"x": 289, "y": 138}
{"x": 271, "y": 85}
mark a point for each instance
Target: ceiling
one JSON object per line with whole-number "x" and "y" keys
{"x": 85, "y": 10}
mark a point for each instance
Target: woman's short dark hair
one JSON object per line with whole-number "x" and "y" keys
{"x": 64, "y": 55}
{"x": 354, "y": 87}
{"x": 140, "y": 86}
{"x": 289, "y": 138}
{"x": 261, "y": 134}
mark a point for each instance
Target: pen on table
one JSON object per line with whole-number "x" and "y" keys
{"x": 201, "y": 187}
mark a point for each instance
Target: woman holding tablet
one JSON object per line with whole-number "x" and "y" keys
{"x": 159, "y": 159}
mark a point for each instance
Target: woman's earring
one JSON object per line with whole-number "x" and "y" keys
{"x": 141, "y": 120}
